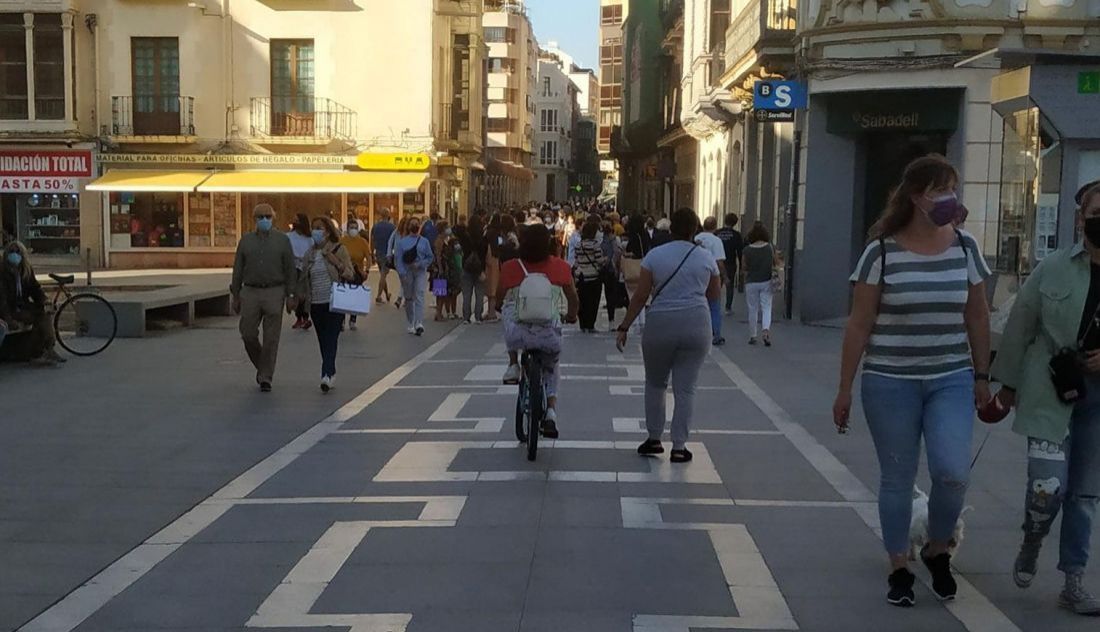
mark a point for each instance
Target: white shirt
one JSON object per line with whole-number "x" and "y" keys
{"x": 712, "y": 244}
{"x": 571, "y": 247}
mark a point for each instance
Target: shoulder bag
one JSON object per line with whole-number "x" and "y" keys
{"x": 653, "y": 299}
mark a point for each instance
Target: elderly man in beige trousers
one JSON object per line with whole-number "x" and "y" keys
{"x": 264, "y": 280}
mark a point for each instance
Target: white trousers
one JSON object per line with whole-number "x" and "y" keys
{"x": 759, "y": 298}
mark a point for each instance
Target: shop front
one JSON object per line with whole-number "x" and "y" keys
{"x": 43, "y": 204}
{"x": 180, "y": 215}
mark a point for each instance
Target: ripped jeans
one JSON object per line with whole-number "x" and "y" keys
{"x": 1066, "y": 478}
{"x": 901, "y": 411}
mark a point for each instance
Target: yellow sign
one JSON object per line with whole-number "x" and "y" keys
{"x": 267, "y": 160}
{"x": 394, "y": 162}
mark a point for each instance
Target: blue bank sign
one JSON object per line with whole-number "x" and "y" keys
{"x": 776, "y": 101}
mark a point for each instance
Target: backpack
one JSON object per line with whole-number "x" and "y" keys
{"x": 535, "y": 298}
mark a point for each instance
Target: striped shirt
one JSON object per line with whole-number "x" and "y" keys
{"x": 320, "y": 282}
{"x": 920, "y": 332}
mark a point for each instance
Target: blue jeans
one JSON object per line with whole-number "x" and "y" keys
{"x": 414, "y": 285}
{"x": 327, "y": 324}
{"x": 899, "y": 412}
{"x": 715, "y": 319}
{"x": 1066, "y": 477}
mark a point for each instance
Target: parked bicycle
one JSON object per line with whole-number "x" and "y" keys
{"x": 85, "y": 323}
{"x": 531, "y": 402}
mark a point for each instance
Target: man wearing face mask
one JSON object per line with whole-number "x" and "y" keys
{"x": 264, "y": 275}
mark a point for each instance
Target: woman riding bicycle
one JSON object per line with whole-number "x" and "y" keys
{"x": 539, "y": 335}
{"x": 23, "y": 306}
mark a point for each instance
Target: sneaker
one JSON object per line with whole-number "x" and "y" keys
{"x": 943, "y": 584}
{"x": 752, "y": 341}
{"x": 411, "y": 329}
{"x": 901, "y": 589}
{"x": 265, "y": 387}
{"x": 326, "y": 384}
{"x": 511, "y": 374}
{"x": 353, "y": 327}
{"x": 306, "y": 324}
{"x": 379, "y": 300}
{"x": 729, "y": 312}
{"x": 550, "y": 425}
{"x": 1076, "y": 598}
{"x": 651, "y": 447}
{"x": 397, "y": 303}
{"x": 1026, "y": 566}
{"x": 679, "y": 455}
{"x": 419, "y": 330}
{"x": 719, "y": 341}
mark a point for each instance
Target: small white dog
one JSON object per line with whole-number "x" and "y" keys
{"x": 918, "y": 526}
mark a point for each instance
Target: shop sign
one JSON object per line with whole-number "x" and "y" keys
{"x": 38, "y": 184}
{"x": 1088, "y": 82}
{"x": 49, "y": 164}
{"x": 776, "y": 101}
{"x": 212, "y": 160}
{"x": 393, "y": 162}
{"x": 607, "y": 166}
{"x": 894, "y": 110}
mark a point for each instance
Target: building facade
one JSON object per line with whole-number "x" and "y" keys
{"x": 613, "y": 14}
{"x": 512, "y": 75}
{"x": 195, "y": 112}
{"x": 556, "y": 114}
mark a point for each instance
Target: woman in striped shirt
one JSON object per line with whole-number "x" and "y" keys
{"x": 920, "y": 323}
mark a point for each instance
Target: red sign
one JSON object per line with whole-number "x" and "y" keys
{"x": 35, "y": 184}
{"x": 61, "y": 164}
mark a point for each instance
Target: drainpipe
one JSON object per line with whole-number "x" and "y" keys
{"x": 792, "y": 219}
{"x": 227, "y": 82}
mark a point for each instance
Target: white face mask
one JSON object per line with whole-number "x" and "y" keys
{"x": 353, "y": 232}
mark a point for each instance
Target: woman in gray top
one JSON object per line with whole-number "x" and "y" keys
{"x": 682, "y": 278}
{"x": 758, "y": 261}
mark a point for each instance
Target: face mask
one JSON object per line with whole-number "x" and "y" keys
{"x": 15, "y": 258}
{"x": 944, "y": 209}
{"x": 318, "y": 236}
{"x": 354, "y": 232}
{"x": 448, "y": 232}
{"x": 1092, "y": 230}
{"x": 264, "y": 224}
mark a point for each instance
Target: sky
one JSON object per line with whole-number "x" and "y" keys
{"x": 573, "y": 24}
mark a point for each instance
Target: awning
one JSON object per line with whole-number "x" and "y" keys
{"x": 140, "y": 180}
{"x": 313, "y": 182}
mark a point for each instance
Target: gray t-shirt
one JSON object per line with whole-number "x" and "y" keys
{"x": 759, "y": 261}
{"x": 688, "y": 288}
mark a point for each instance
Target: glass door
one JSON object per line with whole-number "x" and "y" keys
{"x": 156, "y": 86}
{"x": 292, "y": 106}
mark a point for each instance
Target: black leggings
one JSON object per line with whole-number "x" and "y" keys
{"x": 589, "y": 292}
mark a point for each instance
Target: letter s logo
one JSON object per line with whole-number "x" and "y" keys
{"x": 783, "y": 97}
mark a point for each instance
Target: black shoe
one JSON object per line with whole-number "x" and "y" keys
{"x": 943, "y": 584}
{"x": 549, "y": 429}
{"x": 901, "y": 589}
{"x": 420, "y": 331}
{"x": 265, "y": 387}
{"x": 680, "y": 455}
{"x": 718, "y": 342}
{"x": 650, "y": 447}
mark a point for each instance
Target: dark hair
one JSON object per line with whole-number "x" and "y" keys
{"x": 534, "y": 243}
{"x": 330, "y": 228}
{"x": 301, "y": 224}
{"x": 758, "y": 233}
{"x": 474, "y": 229}
{"x": 494, "y": 221}
{"x": 685, "y": 224}
{"x": 710, "y": 223}
{"x": 931, "y": 171}
{"x": 635, "y": 225}
{"x": 1088, "y": 194}
{"x": 507, "y": 224}
{"x": 731, "y": 220}
{"x": 588, "y": 231}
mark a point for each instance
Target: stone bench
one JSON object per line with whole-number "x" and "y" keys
{"x": 182, "y": 303}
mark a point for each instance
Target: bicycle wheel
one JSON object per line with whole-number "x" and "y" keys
{"x": 85, "y": 324}
{"x": 534, "y": 406}
{"x": 521, "y": 410}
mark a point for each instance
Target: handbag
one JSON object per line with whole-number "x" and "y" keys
{"x": 632, "y": 269}
{"x": 439, "y": 287}
{"x": 777, "y": 281}
{"x": 348, "y": 298}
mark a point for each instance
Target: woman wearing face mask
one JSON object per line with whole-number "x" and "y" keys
{"x": 445, "y": 269}
{"x": 920, "y": 323}
{"x": 326, "y": 262}
{"x": 300, "y": 243}
{"x": 359, "y": 250}
{"x": 413, "y": 255}
{"x": 23, "y": 307}
{"x": 1057, "y": 309}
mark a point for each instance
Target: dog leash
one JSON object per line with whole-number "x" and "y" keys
{"x": 980, "y": 448}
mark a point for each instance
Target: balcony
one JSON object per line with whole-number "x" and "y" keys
{"x": 761, "y": 35}
{"x": 301, "y": 120}
{"x": 152, "y": 119}
{"x": 454, "y": 132}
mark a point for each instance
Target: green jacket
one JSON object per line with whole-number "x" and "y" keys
{"x": 1045, "y": 318}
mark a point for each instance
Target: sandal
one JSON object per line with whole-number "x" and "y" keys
{"x": 651, "y": 447}
{"x": 680, "y": 455}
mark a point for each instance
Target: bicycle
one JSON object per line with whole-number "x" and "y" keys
{"x": 531, "y": 402}
{"x": 85, "y": 323}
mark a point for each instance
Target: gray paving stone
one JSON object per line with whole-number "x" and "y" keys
{"x": 573, "y": 511}
{"x": 574, "y": 622}
{"x": 463, "y": 621}
{"x": 296, "y": 523}
{"x": 517, "y": 510}
{"x": 457, "y": 545}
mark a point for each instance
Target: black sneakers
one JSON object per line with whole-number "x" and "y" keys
{"x": 943, "y": 584}
{"x": 650, "y": 447}
{"x": 901, "y": 589}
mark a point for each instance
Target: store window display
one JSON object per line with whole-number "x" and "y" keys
{"x": 146, "y": 220}
{"x": 49, "y": 223}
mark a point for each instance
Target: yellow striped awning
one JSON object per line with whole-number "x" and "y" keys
{"x": 134, "y": 180}
{"x": 313, "y": 182}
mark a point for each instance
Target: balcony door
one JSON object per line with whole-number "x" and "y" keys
{"x": 156, "y": 85}
{"x": 292, "y": 104}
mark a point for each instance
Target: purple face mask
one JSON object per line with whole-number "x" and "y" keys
{"x": 944, "y": 209}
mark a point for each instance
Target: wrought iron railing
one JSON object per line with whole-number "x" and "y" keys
{"x": 167, "y": 115}
{"x": 301, "y": 117}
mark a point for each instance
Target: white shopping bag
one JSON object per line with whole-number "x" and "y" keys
{"x": 350, "y": 299}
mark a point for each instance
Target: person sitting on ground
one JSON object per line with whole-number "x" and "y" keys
{"x": 542, "y": 332}
{"x": 23, "y": 310}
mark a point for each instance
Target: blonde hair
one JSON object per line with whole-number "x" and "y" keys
{"x": 25, "y": 269}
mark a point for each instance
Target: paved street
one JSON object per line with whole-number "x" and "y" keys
{"x": 154, "y": 488}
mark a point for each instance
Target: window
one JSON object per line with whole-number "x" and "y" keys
{"x": 502, "y": 125}
{"x": 156, "y": 85}
{"x": 49, "y": 67}
{"x": 612, "y": 14}
{"x": 546, "y": 86}
{"x": 548, "y": 120}
{"x": 13, "y": 67}
{"x": 292, "y": 80}
{"x": 500, "y": 35}
{"x": 548, "y": 153}
{"x": 146, "y": 220}
{"x": 501, "y": 64}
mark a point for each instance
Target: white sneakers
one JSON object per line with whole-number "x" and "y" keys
{"x": 327, "y": 383}
{"x": 411, "y": 329}
{"x": 511, "y": 375}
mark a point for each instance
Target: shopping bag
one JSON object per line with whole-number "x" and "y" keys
{"x": 632, "y": 270}
{"x": 439, "y": 287}
{"x": 350, "y": 299}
